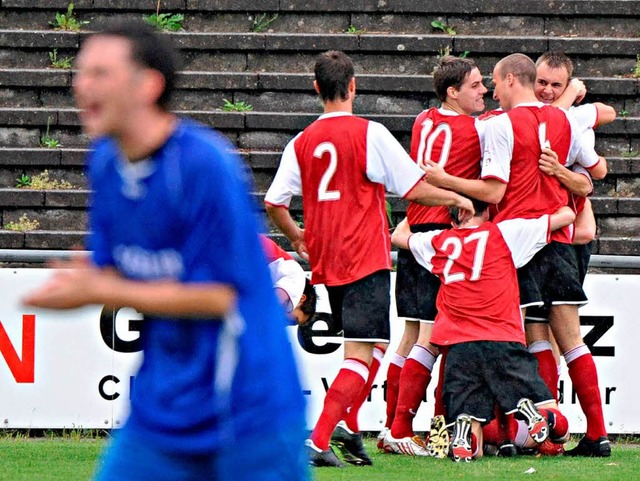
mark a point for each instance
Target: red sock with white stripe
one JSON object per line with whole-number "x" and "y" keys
{"x": 584, "y": 377}
{"x": 341, "y": 394}
{"x": 547, "y": 366}
{"x": 393, "y": 385}
{"x": 414, "y": 380}
{"x": 352, "y": 412}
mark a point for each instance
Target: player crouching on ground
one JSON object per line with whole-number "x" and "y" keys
{"x": 292, "y": 287}
{"x": 479, "y": 322}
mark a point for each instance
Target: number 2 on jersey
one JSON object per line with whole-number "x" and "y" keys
{"x": 324, "y": 193}
{"x": 478, "y": 256}
{"x": 428, "y": 137}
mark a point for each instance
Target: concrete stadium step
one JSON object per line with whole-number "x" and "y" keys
{"x": 380, "y": 53}
{"x": 476, "y": 16}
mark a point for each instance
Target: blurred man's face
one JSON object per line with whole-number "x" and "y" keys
{"x": 500, "y": 90}
{"x": 106, "y": 85}
{"x": 550, "y": 83}
{"x": 471, "y": 93}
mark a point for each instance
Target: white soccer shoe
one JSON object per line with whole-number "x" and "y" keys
{"x": 410, "y": 446}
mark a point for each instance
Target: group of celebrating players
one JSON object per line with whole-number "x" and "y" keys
{"x": 498, "y": 230}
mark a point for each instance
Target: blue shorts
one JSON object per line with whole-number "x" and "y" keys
{"x": 277, "y": 455}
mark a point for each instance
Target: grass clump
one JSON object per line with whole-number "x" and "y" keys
{"x": 23, "y": 224}
{"x": 67, "y": 21}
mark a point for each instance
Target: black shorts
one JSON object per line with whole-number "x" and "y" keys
{"x": 551, "y": 277}
{"x": 583, "y": 253}
{"x": 479, "y": 374}
{"x": 416, "y": 287}
{"x": 362, "y": 307}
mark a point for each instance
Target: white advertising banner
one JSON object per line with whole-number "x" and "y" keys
{"x": 74, "y": 369}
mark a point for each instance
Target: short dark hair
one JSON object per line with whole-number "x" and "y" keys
{"x": 556, "y": 60}
{"x": 333, "y": 71}
{"x": 149, "y": 49}
{"x": 478, "y": 205}
{"x": 308, "y": 306}
{"x": 521, "y": 66}
{"x": 451, "y": 72}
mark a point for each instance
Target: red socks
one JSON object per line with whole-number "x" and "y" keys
{"x": 345, "y": 388}
{"x": 584, "y": 377}
{"x": 548, "y": 369}
{"x": 393, "y": 386}
{"x": 352, "y": 415}
{"x": 414, "y": 380}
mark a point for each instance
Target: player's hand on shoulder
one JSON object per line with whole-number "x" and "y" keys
{"x": 579, "y": 88}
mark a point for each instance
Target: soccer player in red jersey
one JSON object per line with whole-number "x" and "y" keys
{"x": 555, "y": 86}
{"x": 479, "y": 322}
{"x": 511, "y": 177}
{"x": 451, "y": 137}
{"x": 342, "y": 164}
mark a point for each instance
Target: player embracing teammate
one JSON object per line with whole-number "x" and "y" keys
{"x": 342, "y": 164}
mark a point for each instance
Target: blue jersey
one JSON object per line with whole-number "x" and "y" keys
{"x": 186, "y": 214}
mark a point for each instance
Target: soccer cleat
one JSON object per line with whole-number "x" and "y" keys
{"x": 319, "y": 458}
{"x": 536, "y": 423}
{"x": 507, "y": 450}
{"x": 600, "y": 448}
{"x": 350, "y": 445}
{"x": 438, "y": 442}
{"x": 461, "y": 442}
{"x": 411, "y": 446}
{"x": 381, "y": 436}
{"x": 549, "y": 448}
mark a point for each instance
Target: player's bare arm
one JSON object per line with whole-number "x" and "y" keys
{"x": 574, "y": 182}
{"x": 281, "y": 217}
{"x": 585, "y": 225}
{"x": 606, "y": 113}
{"x": 599, "y": 171}
{"x": 573, "y": 94}
{"x": 427, "y": 194}
{"x": 486, "y": 190}
{"x": 78, "y": 283}
{"x": 401, "y": 234}
{"x": 561, "y": 218}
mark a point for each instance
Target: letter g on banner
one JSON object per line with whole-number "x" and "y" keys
{"x": 111, "y": 335}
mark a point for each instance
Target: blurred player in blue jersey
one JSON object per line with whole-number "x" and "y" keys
{"x": 174, "y": 234}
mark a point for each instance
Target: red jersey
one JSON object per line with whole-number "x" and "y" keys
{"x": 451, "y": 140}
{"x": 342, "y": 165}
{"x": 479, "y": 298}
{"x": 513, "y": 147}
{"x": 274, "y": 251}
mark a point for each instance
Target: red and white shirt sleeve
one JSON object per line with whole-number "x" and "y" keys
{"x": 525, "y": 237}
{"x": 498, "y": 148}
{"x": 585, "y": 116}
{"x": 388, "y": 163}
{"x": 421, "y": 246}
{"x": 287, "y": 181}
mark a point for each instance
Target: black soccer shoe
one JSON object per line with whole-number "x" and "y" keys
{"x": 600, "y": 448}
{"x": 350, "y": 446}
{"x": 321, "y": 458}
{"x": 507, "y": 449}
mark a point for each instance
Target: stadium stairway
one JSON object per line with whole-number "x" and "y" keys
{"x": 261, "y": 54}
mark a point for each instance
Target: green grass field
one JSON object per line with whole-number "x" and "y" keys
{"x": 74, "y": 459}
